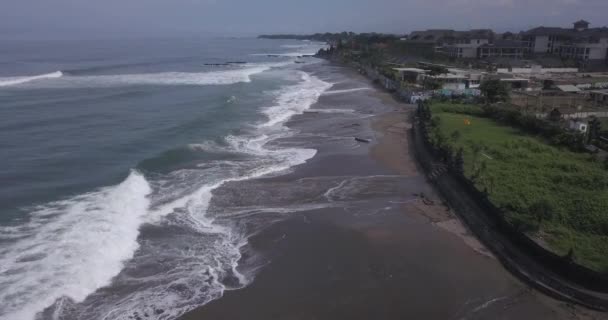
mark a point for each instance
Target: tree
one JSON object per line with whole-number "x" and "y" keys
{"x": 339, "y": 46}
{"x": 595, "y": 127}
{"x": 542, "y": 210}
{"x": 555, "y": 115}
{"x": 494, "y": 91}
{"x": 432, "y": 84}
{"x": 437, "y": 70}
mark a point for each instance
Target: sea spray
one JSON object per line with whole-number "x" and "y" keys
{"x": 161, "y": 277}
{"x": 72, "y": 247}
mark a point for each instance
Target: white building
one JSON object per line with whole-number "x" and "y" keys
{"x": 580, "y": 42}
{"x": 599, "y": 97}
{"x": 465, "y": 44}
{"x": 578, "y": 125}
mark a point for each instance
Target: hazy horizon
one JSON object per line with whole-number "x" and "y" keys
{"x": 71, "y": 19}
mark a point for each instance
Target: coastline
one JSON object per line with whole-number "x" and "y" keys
{"x": 386, "y": 248}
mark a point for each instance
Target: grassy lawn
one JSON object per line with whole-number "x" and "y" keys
{"x": 519, "y": 171}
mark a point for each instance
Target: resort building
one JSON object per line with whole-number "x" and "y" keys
{"x": 579, "y": 42}
{"x": 459, "y": 44}
{"x": 513, "y": 49}
{"x": 465, "y": 44}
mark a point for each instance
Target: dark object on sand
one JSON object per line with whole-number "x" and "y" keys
{"x": 362, "y": 140}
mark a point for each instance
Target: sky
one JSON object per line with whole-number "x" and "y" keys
{"x": 123, "y": 18}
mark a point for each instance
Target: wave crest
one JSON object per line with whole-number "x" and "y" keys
{"x": 240, "y": 74}
{"x": 12, "y": 81}
{"x": 71, "y": 248}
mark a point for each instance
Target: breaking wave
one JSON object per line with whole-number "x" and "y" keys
{"x": 12, "y": 81}
{"x": 58, "y": 79}
{"x": 70, "y": 248}
{"x": 288, "y": 54}
{"x": 100, "y": 255}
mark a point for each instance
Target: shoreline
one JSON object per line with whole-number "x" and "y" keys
{"x": 391, "y": 249}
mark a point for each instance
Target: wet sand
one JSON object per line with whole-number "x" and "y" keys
{"x": 358, "y": 233}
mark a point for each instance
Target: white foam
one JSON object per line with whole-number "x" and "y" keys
{"x": 72, "y": 248}
{"x": 295, "y": 100}
{"x": 345, "y": 90}
{"x": 286, "y": 54}
{"x": 236, "y": 74}
{"x": 12, "y": 81}
{"x": 223, "y": 77}
{"x": 294, "y": 46}
{"x": 173, "y": 78}
{"x": 290, "y": 100}
{"x": 333, "y": 110}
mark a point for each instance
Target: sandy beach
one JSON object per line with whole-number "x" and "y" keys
{"x": 358, "y": 233}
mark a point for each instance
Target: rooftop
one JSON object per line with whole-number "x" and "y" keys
{"x": 568, "y": 88}
{"x": 514, "y": 79}
{"x": 410, "y": 70}
{"x": 449, "y": 76}
{"x": 572, "y": 33}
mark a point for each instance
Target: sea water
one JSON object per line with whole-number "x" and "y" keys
{"x": 110, "y": 152}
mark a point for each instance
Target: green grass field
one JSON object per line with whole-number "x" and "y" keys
{"x": 519, "y": 171}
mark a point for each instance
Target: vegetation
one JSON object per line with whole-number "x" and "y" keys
{"x": 346, "y": 37}
{"x": 494, "y": 91}
{"x": 557, "y": 195}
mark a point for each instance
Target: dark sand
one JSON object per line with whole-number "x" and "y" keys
{"x": 369, "y": 246}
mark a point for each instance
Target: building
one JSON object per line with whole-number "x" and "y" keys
{"x": 516, "y": 83}
{"x": 599, "y": 97}
{"x": 512, "y": 49}
{"x": 537, "y": 71}
{"x": 450, "y": 79}
{"x": 459, "y": 44}
{"x": 465, "y": 44}
{"x": 577, "y": 125}
{"x": 578, "y": 43}
{"x": 455, "y": 79}
{"x": 409, "y": 75}
{"x": 472, "y": 78}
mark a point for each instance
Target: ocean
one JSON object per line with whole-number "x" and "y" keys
{"x": 111, "y": 151}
